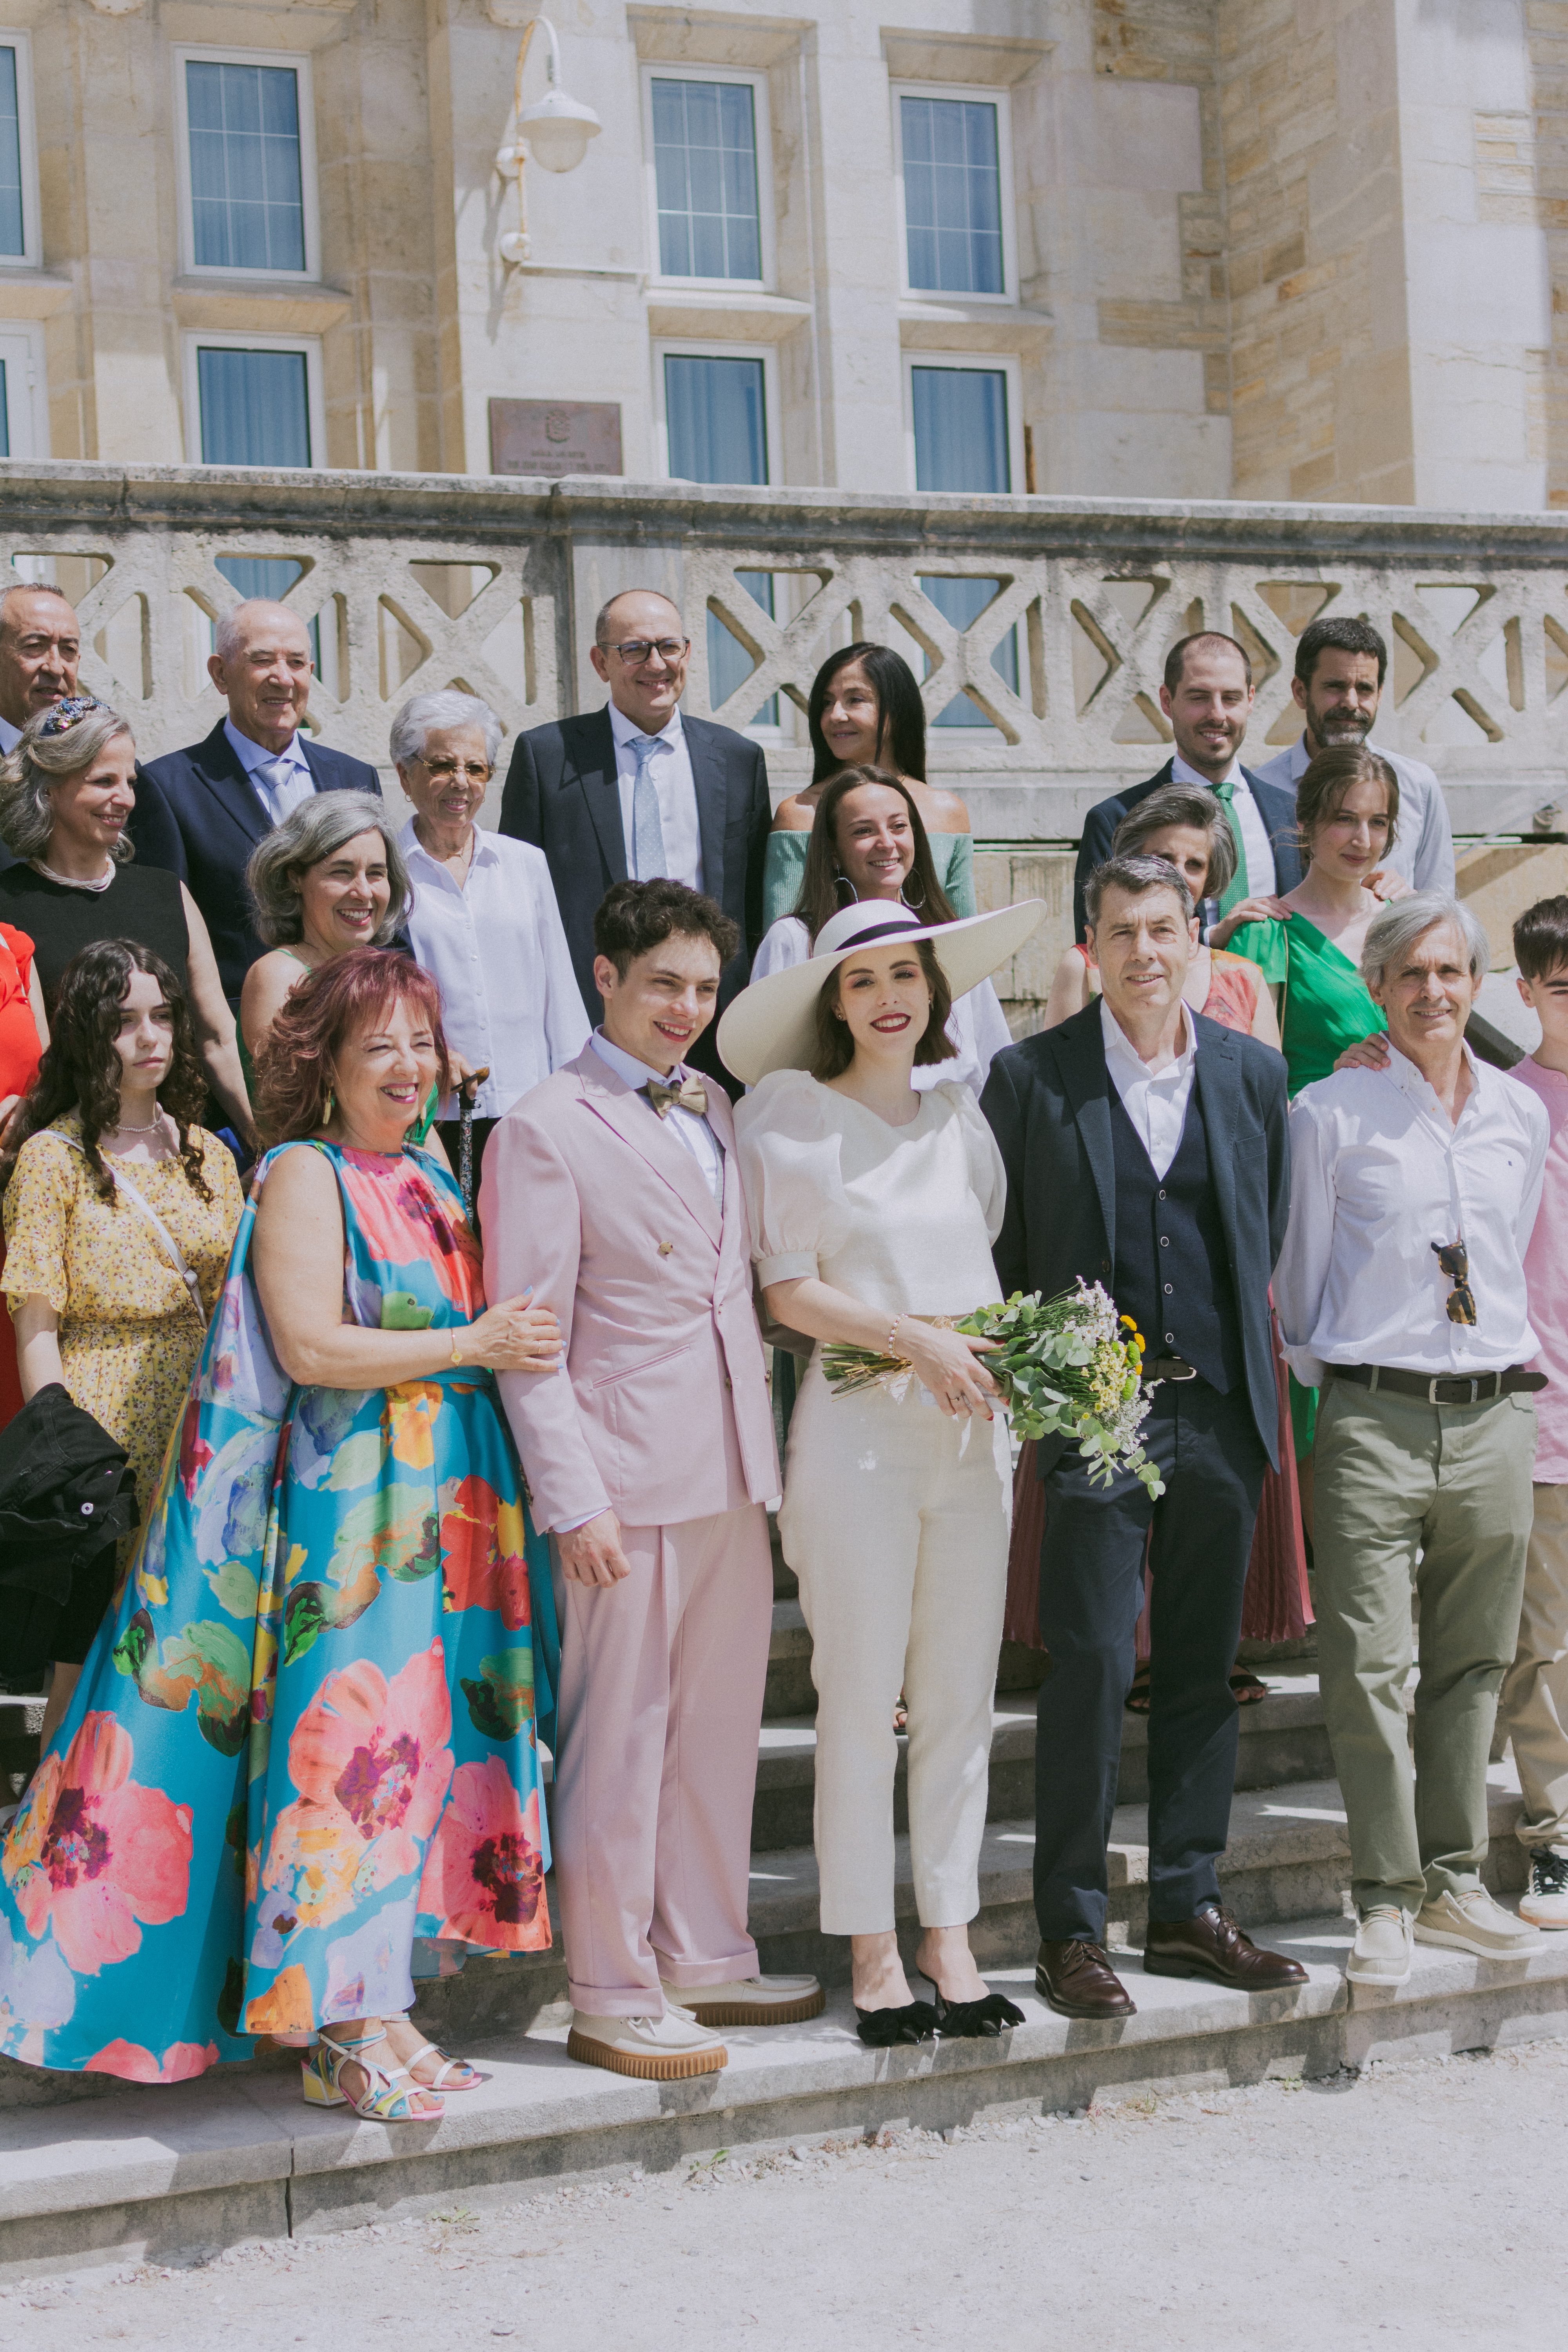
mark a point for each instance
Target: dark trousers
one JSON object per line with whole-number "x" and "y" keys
{"x": 1212, "y": 1460}
{"x": 450, "y": 1131}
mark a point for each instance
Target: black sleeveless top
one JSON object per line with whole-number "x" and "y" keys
{"x": 142, "y": 903}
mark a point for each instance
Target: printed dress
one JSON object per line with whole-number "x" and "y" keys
{"x": 306, "y": 1738}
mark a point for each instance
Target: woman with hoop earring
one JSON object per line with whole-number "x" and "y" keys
{"x": 869, "y": 841}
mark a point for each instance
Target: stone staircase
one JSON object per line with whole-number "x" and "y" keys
{"x": 95, "y": 2170}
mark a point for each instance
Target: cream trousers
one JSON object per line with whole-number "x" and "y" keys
{"x": 895, "y": 1520}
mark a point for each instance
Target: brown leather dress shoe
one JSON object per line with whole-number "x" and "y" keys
{"x": 1078, "y": 1980}
{"x": 1211, "y": 1945}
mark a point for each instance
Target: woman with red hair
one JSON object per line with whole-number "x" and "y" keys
{"x": 302, "y": 1752}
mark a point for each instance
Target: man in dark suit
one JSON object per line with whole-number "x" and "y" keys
{"x": 1207, "y": 697}
{"x": 200, "y": 813}
{"x": 636, "y": 790}
{"x": 1146, "y": 1151}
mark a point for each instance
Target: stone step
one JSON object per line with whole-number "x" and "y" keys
{"x": 1288, "y": 1858}
{"x": 175, "y": 2175}
{"x": 1282, "y": 1738}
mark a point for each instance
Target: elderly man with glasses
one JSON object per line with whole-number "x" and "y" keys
{"x": 636, "y": 791}
{"x": 1415, "y": 1177}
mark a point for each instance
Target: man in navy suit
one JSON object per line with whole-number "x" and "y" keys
{"x": 200, "y": 813}
{"x": 1207, "y": 697}
{"x": 637, "y": 790}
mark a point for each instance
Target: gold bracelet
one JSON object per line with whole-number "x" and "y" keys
{"x": 455, "y": 1328}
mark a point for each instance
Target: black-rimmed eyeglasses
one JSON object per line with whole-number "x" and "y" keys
{"x": 637, "y": 650}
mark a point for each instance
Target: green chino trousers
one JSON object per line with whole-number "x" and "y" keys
{"x": 1396, "y": 1478}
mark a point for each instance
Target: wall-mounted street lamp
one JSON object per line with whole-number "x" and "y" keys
{"x": 554, "y": 131}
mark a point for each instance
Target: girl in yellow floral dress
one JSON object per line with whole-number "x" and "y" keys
{"x": 98, "y": 1303}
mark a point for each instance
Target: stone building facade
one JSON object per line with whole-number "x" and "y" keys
{"x": 1307, "y": 249}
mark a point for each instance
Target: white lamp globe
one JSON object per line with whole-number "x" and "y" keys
{"x": 557, "y": 130}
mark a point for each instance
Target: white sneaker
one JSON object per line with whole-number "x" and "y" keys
{"x": 1472, "y": 1922}
{"x": 655, "y": 2049}
{"x": 1382, "y": 1953}
{"x": 1544, "y": 1902}
{"x": 749, "y": 2000}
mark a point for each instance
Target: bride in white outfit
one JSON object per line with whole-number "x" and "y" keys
{"x": 873, "y": 1208}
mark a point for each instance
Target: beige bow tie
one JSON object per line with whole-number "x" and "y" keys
{"x": 691, "y": 1094}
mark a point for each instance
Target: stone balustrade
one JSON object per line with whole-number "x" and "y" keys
{"x": 421, "y": 580}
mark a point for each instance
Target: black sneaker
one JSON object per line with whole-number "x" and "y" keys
{"x": 1544, "y": 1902}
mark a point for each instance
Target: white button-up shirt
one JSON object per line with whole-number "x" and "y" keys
{"x": 9, "y": 737}
{"x": 1154, "y": 1094}
{"x": 671, "y": 773}
{"x": 1255, "y": 841}
{"x": 278, "y": 800}
{"x": 510, "y": 999}
{"x": 693, "y": 1131}
{"x": 1422, "y": 847}
{"x": 1378, "y": 1173}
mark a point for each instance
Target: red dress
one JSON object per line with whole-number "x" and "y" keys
{"x": 19, "y": 1054}
{"x": 1276, "y": 1605}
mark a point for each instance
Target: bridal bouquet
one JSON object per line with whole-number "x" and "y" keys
{"x": 1067, "y": 1367}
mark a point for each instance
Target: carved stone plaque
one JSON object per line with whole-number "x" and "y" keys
{"x": 555, "y": 437}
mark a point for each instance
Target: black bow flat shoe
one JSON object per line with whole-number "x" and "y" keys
{"x": 976, "y": 2021}
{"x": 884, "y": 2029}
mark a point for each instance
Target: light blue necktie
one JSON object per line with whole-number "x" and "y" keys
{"x": 284, "y": 786}
{"x": 647, "y": 825}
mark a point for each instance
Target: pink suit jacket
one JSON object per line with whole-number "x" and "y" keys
{"x": 662, "y": 1413}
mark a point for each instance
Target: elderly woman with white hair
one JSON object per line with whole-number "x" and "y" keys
{"x": 484, "y": 919}
{"x": 329, "y": 878}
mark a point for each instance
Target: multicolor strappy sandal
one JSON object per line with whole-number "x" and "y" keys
{"x": 384, "y": 2099}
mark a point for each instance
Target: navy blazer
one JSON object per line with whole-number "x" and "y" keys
{"x": 1277, "y": 808}
{"x": 561, "y": 793}
{"x": 198, "y": 815}
{"x": 1048, "y": 1103}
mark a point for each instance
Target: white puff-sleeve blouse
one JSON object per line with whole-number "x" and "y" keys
{"x": 902, "y": 1218}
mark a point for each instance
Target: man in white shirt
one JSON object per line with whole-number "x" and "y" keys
{"x": 636, "y": 790}
{"x": 1341, "y": 665}
{"x": 1208, "y": 696}
{"x": 1145, "y": 1150}
{"x": 1401, "y": 1294}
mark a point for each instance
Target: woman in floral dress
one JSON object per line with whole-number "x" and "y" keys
{"x": 302, "y": 1760}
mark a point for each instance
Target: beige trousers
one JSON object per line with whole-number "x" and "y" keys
{"x": 1533, "y": 1706}
{"x": 895, "y": 1520}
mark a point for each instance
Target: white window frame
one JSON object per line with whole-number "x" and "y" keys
{"x": 757, "y": 83}
{"x": 32, "y": 254}
{"x": 969, "y": 364}
{"x": 315, "y": 404}
{"x": 299, "y": 66}
{"x": 683, "y": 347}
{"x": 971, "y": 94}
{"x": 26, "y": 387}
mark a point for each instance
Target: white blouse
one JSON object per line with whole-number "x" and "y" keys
{"x": 977, "y": 1026}
{"x": 902, "y": 1218}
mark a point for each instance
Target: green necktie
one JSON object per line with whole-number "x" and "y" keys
{"x": 1237, "y": 890}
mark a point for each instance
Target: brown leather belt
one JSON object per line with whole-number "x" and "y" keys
{"x": 1450, "y": 1388}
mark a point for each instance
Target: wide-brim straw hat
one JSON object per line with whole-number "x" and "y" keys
{"x": 772, "y": 1024}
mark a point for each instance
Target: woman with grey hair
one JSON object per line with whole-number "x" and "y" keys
{"x": 329, "y": 878}
{"x": 67, "y": 790}
{"x": 484, "y": 919}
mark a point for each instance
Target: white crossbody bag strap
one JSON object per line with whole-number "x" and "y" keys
{"x": 171, "y": 1247}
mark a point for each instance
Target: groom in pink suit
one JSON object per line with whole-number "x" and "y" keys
{"x": 612, "y": 1189}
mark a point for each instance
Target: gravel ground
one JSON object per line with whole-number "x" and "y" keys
{"x": 1422, "y": 2203}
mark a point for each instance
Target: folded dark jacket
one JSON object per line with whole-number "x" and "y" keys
{"x": 66, "y": 1490}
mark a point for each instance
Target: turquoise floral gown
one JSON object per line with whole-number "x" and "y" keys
{"x": 301, "y": 1763}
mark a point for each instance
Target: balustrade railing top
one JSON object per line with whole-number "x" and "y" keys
{"x": 1040, "y": 624}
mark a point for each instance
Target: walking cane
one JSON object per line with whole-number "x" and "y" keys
{"x": 465, "y": 1093}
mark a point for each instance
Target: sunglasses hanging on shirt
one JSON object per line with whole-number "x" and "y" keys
{"x": 1455, "y": 1260}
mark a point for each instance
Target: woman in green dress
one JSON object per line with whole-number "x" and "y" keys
{"x": 1308, "y": 947}
{"x": 865, "y": 710}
